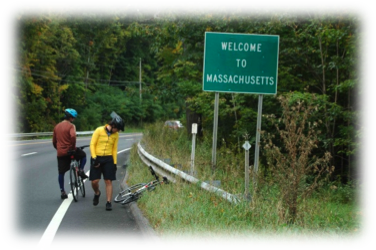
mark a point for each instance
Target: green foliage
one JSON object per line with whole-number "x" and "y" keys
{"x": 340, "y": 193}
{"x": 73, "y": 61}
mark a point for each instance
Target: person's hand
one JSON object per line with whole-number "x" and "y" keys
{"x": 94, "y": 162}
{"x": 115, "y": 167}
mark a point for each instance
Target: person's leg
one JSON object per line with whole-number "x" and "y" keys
{"x": 80, "y": 155}
{"x": 95, "y": 176}
{"x": 63, "y": 164}
{"x": 108, "y": 194}
{"x": 81, "y": 168}
{"x": 82, "y": 163}
{"x": 61, "y": 182}
{"x": 95, "y": 186}
{"x": 97, "y": 192}
{"x": 108, "y": 189}
{"x": 108, "y": 175}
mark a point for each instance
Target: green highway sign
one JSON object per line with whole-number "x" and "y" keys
{"x": 240, "y": 63}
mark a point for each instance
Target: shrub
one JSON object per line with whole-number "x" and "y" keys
{"x": 292, "y": 160}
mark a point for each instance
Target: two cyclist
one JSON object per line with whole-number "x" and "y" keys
{"x": 64, "y": 140}
{"x": 103, "y": 149}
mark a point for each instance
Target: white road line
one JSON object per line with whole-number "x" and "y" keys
{"x": 32, "y": 153}
{"x": 52, "y": 228}
{"x": 124, "y": 150}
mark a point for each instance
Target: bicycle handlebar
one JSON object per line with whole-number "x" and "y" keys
{"x": 153, "y": 173}
{"x": 165, "y": 180}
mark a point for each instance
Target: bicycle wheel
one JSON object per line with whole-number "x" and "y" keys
{"x": 131, "y": 198}
{"x": 127, "y": 192}
{"x": 73, "y": 181}
{"x": 81, "y": 185}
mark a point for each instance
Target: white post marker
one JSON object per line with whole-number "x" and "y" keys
{"x": 194, "y": 132}
{"x": 246, "y": 146}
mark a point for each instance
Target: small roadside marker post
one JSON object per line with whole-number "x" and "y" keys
{"x": 247, "y": 146}
{"x": 194, "y": 132}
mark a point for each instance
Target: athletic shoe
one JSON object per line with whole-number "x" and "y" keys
{"x": 108, "y": 206}
{"x": 82, "y": 174}
{"x": 64, "y": 195}
{"x": 96, "y": 199}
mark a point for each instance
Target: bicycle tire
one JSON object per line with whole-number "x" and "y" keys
{"x": 131, "y": 198}
{"x": 73, "y": 181}
{"x": 80, "y": 179}
{"x": 127, "y": 192}
{"x": 81, "y": 186}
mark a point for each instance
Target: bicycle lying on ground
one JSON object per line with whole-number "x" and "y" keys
{"x": 76, "y": 181}
{"x": 134, "y": 192}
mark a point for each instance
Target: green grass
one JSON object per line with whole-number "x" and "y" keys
{"x": 181, "y": 208}
{"x": 133, "y": 130}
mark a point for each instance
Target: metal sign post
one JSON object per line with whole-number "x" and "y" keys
{"x": 215, "y": 130}
{"x": 258, "y": 130}
{"x": 194, "y": 132}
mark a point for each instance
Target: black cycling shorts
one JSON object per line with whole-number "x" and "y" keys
{"x": 106, "y": 167}
{"x": 63, "y": 162}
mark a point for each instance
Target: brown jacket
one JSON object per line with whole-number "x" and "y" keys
{"x": 64, "y": 137}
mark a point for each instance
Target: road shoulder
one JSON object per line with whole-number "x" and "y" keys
{"x": 142, "y": 222}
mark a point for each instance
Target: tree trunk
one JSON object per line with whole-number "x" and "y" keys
{"x": 193, "y": 117}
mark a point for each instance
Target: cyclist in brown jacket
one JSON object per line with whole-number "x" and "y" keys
{"x": 64, "y": 140}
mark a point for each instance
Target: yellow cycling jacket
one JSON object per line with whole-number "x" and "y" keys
{"x": 102, "y": 144}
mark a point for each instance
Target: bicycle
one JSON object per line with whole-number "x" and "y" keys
{"x": 76, "y": 181}
{"x": 134, "y": 192}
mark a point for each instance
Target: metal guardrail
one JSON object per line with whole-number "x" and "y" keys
{"x": 164, "y": 167}
{"x": 39, "y": 134}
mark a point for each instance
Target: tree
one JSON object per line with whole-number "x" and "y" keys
{"x": 25, "y": 26}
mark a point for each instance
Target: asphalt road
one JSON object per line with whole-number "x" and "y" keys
{"x": 38, "y": 201}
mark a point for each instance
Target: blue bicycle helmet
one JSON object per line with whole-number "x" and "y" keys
{"x": 70, "y": 113}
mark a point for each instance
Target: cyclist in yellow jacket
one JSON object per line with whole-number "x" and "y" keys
{"x": 103, "y": 149}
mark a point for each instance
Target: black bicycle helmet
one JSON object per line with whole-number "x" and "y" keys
{"x": 118, "y": 122}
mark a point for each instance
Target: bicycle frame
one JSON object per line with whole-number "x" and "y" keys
{"x": 134, "y": 192}
{"x": 76, "y": 182}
